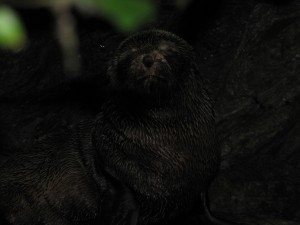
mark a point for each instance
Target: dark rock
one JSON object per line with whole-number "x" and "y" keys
{"x": 258, "y": 110}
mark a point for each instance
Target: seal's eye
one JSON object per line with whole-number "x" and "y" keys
{"x": 163, "y": 47}
{"x": 168, "y": 47}
{"x": 128, "y": 55}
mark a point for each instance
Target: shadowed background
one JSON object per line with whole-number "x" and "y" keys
{"x": 248, "y": 50}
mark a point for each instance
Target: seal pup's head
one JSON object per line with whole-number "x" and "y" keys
{"x": 150, "y": 64}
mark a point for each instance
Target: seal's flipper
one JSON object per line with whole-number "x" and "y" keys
{"x": 208, "y": 218}
{"x": 120, "y": 204}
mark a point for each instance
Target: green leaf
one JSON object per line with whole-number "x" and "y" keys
{"x": 12, "y": 34}
{"x": 127, "y": 15}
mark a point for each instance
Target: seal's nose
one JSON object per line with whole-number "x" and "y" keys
{"x": 148, "y": 61}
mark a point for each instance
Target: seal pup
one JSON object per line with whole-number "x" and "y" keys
{"x": 156, "y": 134}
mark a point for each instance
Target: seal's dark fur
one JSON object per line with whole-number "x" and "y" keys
{"x": 162, "y": 144}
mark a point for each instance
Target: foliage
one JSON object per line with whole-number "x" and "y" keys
{"x": 125, "y": 15}
{"x": 12, "y": 33}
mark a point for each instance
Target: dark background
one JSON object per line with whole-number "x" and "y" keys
{"x": 248, "y": 50}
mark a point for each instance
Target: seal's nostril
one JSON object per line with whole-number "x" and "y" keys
{"x": 148, "y": 61}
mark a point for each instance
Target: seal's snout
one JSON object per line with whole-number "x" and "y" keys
{"x": 148, "y": 61}
{"x": 153, "y": 59}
